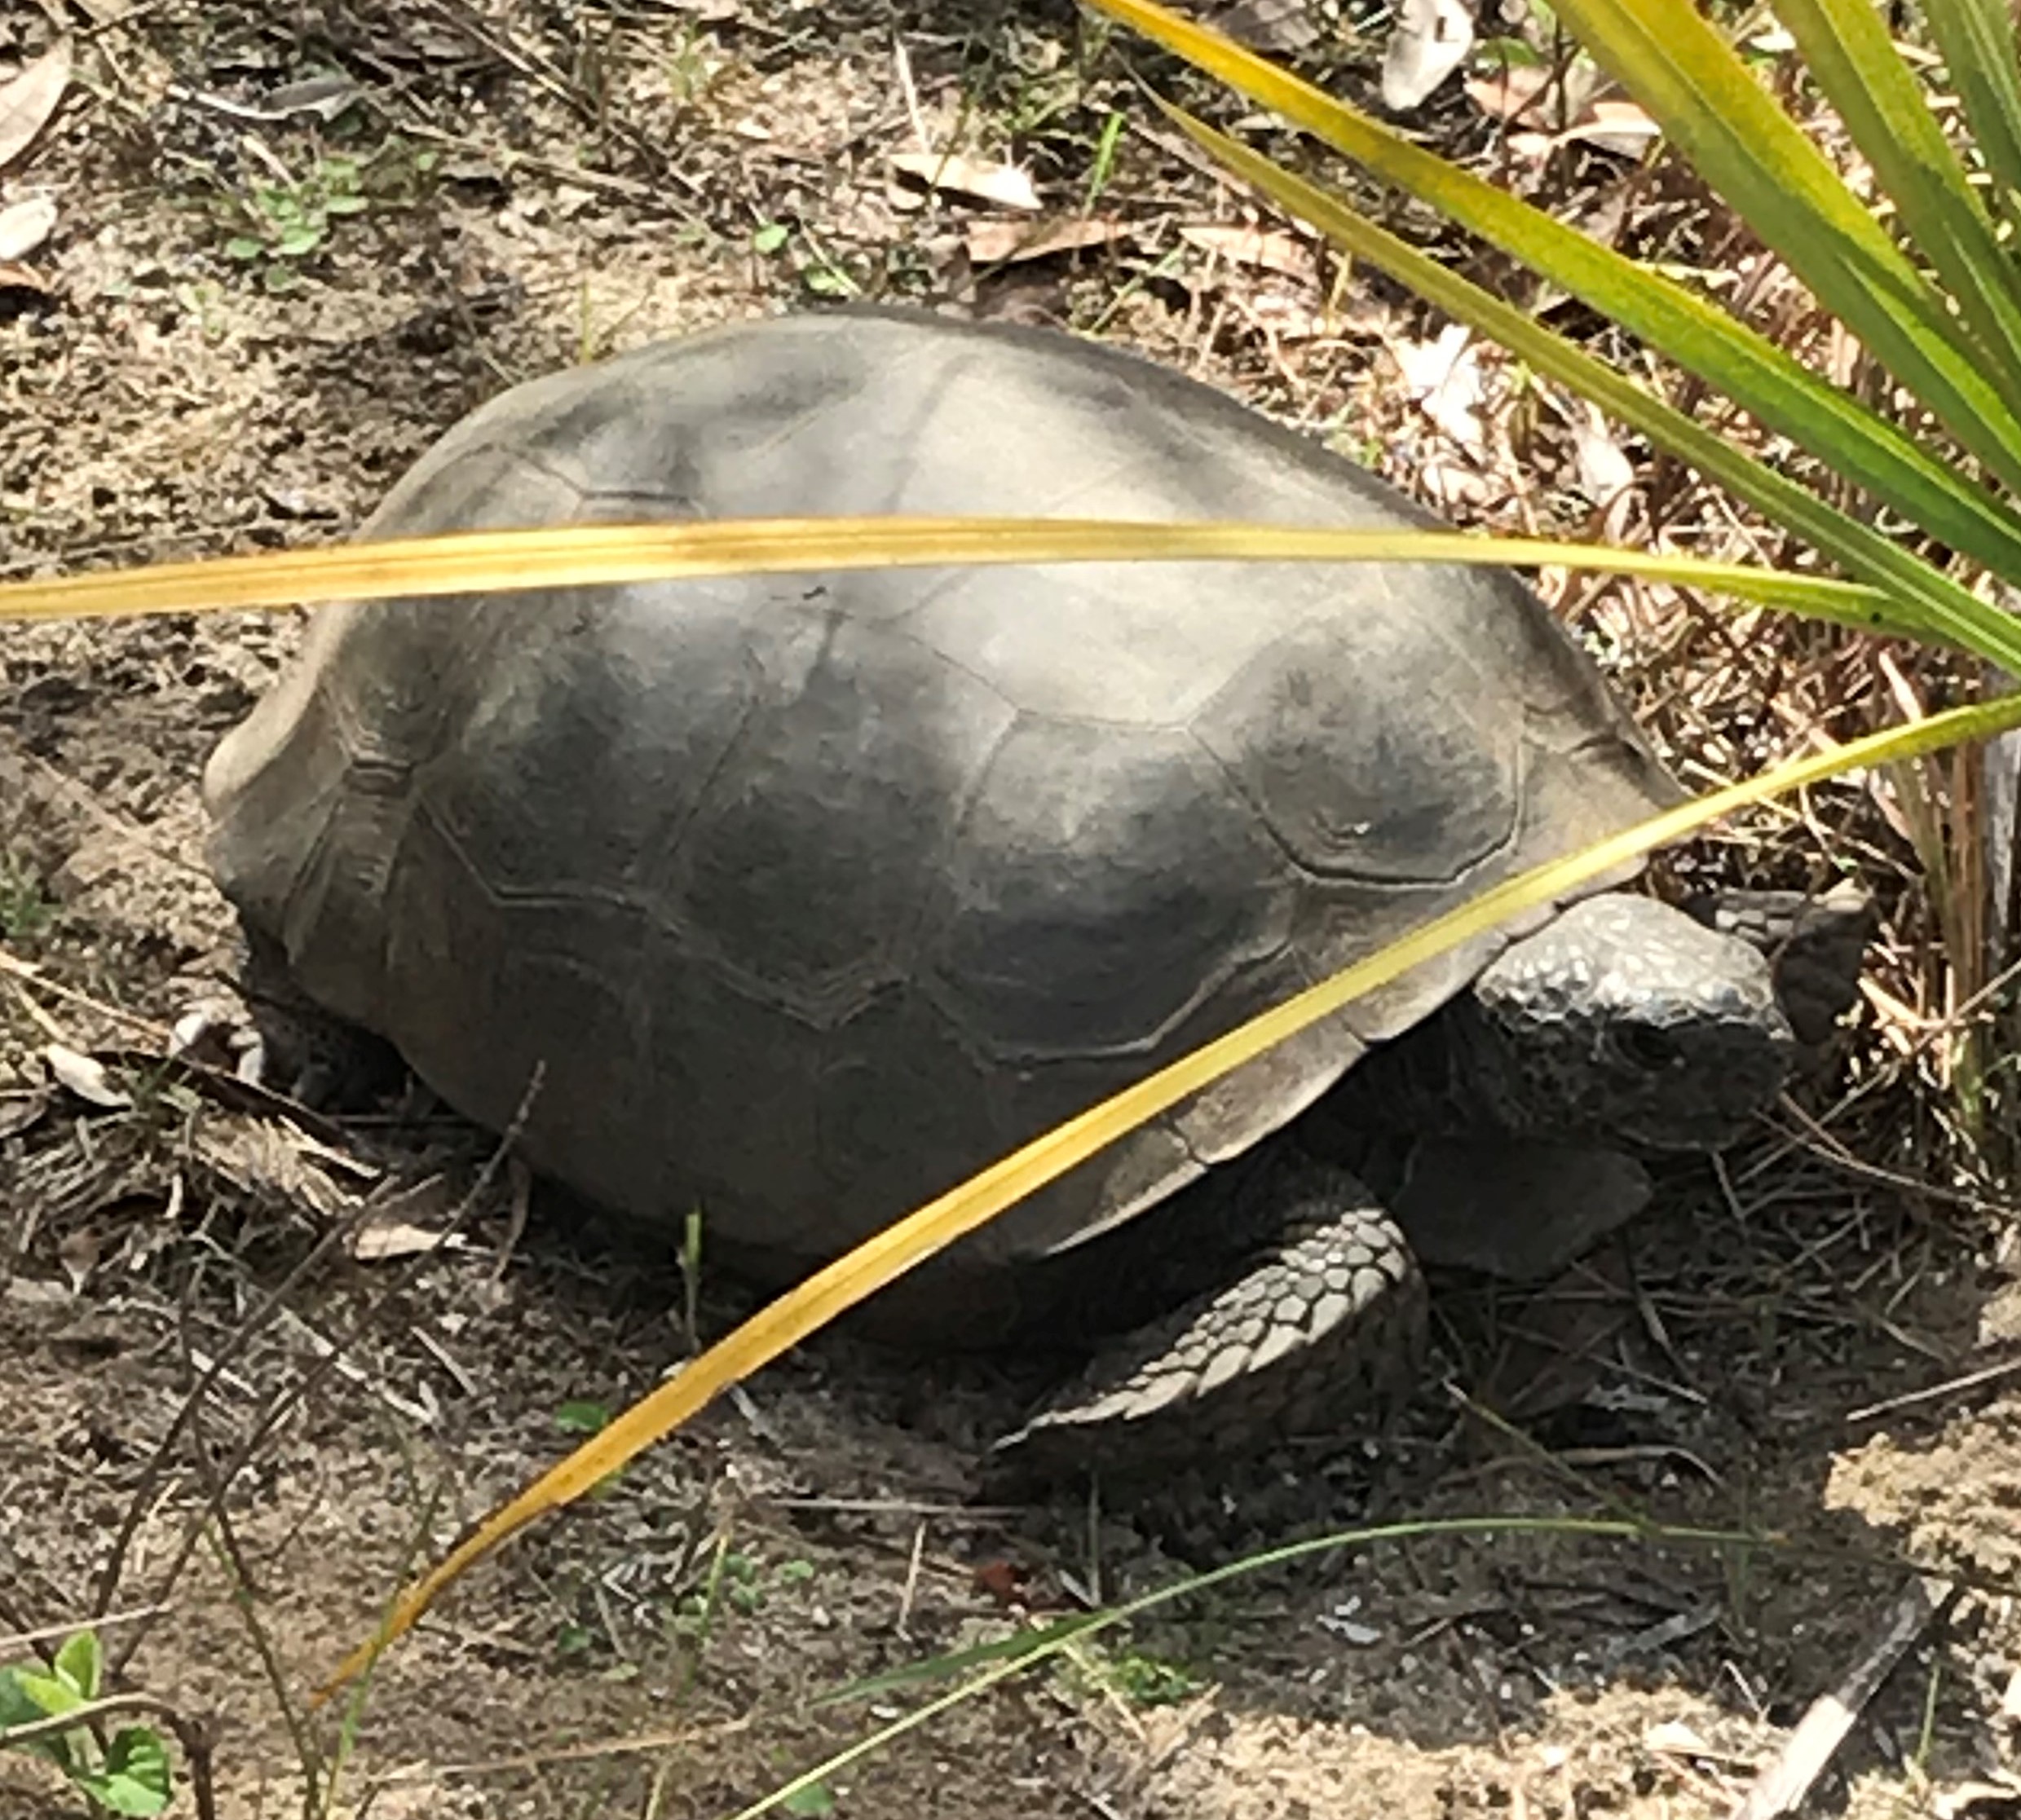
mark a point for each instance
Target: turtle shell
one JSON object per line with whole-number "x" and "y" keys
{"x": 811, "y": 895}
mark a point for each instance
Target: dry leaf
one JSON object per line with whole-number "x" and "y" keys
{"x": 1605, "y": 472}
{"x": 33, "y": 1291}
{"x": 1673, "y": 1738}
{"x": 21, "y": 1111}
{"x": 24, "y": 226}
{"x": 991, "y": 243}
{"x": 1004, "y": 185}
{"x": 1003, "y": 1580}
{"x": 1997, "y": 1800}
{"x": 1510, "y": 93}
{"x": 379, "y": 1238}
{"x": 1617, "y": 126}
{"x": 85, "y": 1077}
{"x": 30, "y": 99}
{"x": 23, "y": 278}
{"x": 1444, "y": 376}
{"x": 326, "y": 96}
{"x": 1431, "y": 40}
{"x": 1268, "y": 25}
{"x": 1274, "y": 251}
{"x": 78, "y": 1253}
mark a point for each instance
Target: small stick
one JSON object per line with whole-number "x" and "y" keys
{"x": 51, "y": 1633}
{"x": 1787, "y": 1779}
{"x": 912, "y": 1579}
{"x": 1950, "y": 1386}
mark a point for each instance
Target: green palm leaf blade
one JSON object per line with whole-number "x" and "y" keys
{"x": 1711, "y": 106}
{"x": 1854, "y": 61}
{"x": 1775, "y": 389}
{"x": 1977, "y": 39}
{"x": 1927, "y": 604}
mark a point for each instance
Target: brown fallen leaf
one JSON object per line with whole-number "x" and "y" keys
{"x": 1272, "y": 250}
{"x": 1617, "y": 126}
{"x": 1005, "y": 185}
{"x": 1444, "y": 376}
{"x": 1002, "y": 1580}
{"x": 1430, "y": 41}
{"x": 24, "y": 226}
{"x": 378, "y": 1240}
{"x": 1997, "y": 1799}
{"x": 993, "y": 243}
{"x": 1673, "y": 1738}
{"x": 23, "y": 278}
{"x": 30, "y": 100}
{"x": 1510, "y": 94}
{"x": 78, "y": 1253}
{"x": 1605, "y": 470}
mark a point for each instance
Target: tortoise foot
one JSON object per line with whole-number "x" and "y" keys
{"x": 1327, "y": 1327}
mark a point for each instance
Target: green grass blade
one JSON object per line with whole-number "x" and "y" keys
{"x": 1932, "y": 603}
{"x": 1746, "y": 366}
{"x": 1029, "y": 1648}
{"x": 1854, "y": 61}
{"x": 1977, "y": 38}
{"x": 1712, "y": 107}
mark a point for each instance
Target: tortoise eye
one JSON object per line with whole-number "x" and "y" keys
{"x": 1654, "y": 1050}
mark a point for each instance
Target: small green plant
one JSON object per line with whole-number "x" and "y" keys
{"x": 573, "y": 1641}
{"x": 127, "y": 1773}
{"x": 738, "y": 1582}
{"x": 277, "y": 225}
{"x": 818, "y": 270}
{"x": 694, "y": 65}
{"x": 741, "y": 1590}
{"x": 26, "y": 908}
{"x": 583, "y": 1417}
{"x": 1134, "y": 1676}
{"x": 286, "y": 220}
{"x": 1103, "y": 165}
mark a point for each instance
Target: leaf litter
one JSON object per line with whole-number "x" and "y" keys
{"x": 30, "y": 99}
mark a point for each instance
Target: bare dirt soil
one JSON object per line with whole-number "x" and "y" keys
{"x": 292, "y": 244}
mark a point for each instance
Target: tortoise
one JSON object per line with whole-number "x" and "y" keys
{"x": 810, "y": 895}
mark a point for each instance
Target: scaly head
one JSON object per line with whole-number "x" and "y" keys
{"x": 1626, "y": 1018}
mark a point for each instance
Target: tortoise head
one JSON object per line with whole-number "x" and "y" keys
{"x": 1625, "y": 1019}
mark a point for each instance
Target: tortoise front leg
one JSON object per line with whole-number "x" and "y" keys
{"x": 1323, "y": 1329}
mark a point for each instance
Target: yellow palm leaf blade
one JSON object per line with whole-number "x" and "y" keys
{"x": 594, "y": 555}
